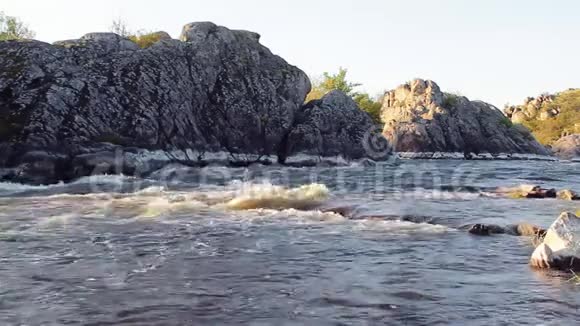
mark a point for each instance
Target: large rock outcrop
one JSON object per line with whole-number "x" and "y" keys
{"x": 567, "y": 147}
{"x": 419, "y": 117}
{"x": 67, "y": 109}
{"x": 215, "y": 89}
{"x": 334, "y": 125}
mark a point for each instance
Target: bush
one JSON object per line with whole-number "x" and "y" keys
{"x": 369, "y": 105}
{"x": 338, "y": 81}
{"x": 450, "y": 100}
{"x": 145, "y": 40}
{"x": 330, "y": 82}
{"x": 11, "y": 28}
{"x": 506, "y": 122}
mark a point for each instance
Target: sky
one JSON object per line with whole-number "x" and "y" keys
{"x": 498, "y": 51}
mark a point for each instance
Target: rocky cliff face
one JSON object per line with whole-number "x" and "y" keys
{"x": 66, "y": 107}
{"x": 214, "y": 89}
{"x": 419, "y": 117}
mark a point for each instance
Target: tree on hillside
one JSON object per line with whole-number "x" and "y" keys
{"x": 338, "y": 81}
{"x": 330, "y": 82}
{"x": 11, "y": 28}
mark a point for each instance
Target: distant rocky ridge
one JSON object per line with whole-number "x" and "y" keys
{"x": 420, "y": 118}
{"x": 533, "y": 108}
{"x": 549, "y": 116}
{"x": 69, "y": 108}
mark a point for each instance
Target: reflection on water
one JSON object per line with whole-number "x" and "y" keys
{"x": 350, "y": 245}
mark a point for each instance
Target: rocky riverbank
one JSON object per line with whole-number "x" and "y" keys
{"x": 67, "y": 109}
{"x": 102, "y": 104}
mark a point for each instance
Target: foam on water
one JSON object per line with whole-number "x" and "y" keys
{"x": 161, "y": 206}
{"x": 237, "y": 201}
{"x": 9, "y": 188}
{"x": 400, "y": 227}
{"x": 157, "y": 201}
{"x": 277, "y": 197}
{"x": 114, "y": 179}
{"x": 443, "y": 195}
{"x": 293, "y": 215}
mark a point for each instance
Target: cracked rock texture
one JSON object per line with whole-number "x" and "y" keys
{"x": 419, "y": 117}
{"x": 213, "y": 90}
{"x": 334, "y": 125}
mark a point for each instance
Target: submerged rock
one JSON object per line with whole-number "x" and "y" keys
{"x": 419, "y": 117}
{"x": 533, "y": 191}
{"x": 561, "y": 246}
{"x": 521, "y": 229}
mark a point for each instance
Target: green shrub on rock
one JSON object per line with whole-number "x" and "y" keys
{"x": 145, "y": 40}
{"x": 450, "y": 100}
{"x": 330, "y": 82}
{"x": 507, "y": 122}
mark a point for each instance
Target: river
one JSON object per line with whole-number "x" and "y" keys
{"x": 259, "y": 246}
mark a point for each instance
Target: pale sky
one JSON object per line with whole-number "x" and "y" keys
{"x": 493, "y": 50}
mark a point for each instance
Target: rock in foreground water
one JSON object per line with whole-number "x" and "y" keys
{"x": 534, "y": 191}
{"x": 561, "y": 246}
{"x": 567, "y": 194}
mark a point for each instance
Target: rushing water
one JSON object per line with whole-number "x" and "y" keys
{"x": 255, "y": 246}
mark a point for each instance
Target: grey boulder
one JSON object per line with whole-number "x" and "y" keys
{"x": 334, "y": 125}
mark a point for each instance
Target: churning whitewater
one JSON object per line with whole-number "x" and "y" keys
{"x": 316, "y": 245}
